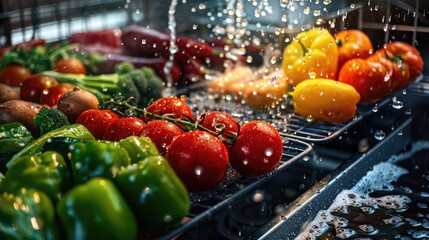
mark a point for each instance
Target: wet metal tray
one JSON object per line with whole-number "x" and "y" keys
{"x": 287, "y": 122}
{"x": 289, "y": 223}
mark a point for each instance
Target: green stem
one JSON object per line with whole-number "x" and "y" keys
{"x": 124, "y": 107}
{"x": 61, "y": 51}
{"x": 304, "y": 48}
{"x": 393, "y": 58}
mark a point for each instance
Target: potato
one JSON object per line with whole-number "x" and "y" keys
{"x": 20, "y": 111}
{"x": 8, "y": 93}
{"x": 74, "y": 102}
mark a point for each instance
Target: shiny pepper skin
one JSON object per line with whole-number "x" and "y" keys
{"x": 325, "y": 99}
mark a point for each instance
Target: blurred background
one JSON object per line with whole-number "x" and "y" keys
{"x": 271, "y": 21}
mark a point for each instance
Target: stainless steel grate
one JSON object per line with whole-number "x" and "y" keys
{"x": 317, "y": 132}
{"x": 287, "y": 122}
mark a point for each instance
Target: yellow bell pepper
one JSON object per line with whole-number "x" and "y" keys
{"x": 325, "y": 99}
{"x": 311, "y": 54}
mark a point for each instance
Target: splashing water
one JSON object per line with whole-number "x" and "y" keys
{"x": 169, "y": 90}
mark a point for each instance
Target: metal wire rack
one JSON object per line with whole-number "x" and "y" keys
{"x": 286, "y": 121}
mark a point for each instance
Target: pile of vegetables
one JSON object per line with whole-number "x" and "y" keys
{"x": 149, "y": 47}
{"x": 371, "y": 75}
{"x": 122, "y": 166}
{"x": 126, "y": 185}
{"x": 37, "y": 71}
{"x": 326, "y": 74}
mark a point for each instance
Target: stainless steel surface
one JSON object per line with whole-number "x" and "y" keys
{"x": 319, "y": 159}
{"x": 300, "y": 212}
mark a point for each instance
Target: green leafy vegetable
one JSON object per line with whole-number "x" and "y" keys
{"x": 142, "y": 84}
{"x": 37, "y": 59}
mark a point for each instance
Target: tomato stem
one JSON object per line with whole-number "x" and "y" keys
{"x": 123, "y": 107}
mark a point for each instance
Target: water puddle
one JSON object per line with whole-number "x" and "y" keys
{"x": 390, "y": 202}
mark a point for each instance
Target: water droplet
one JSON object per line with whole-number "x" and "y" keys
{"x": 258, "y": 196}
{"x": 309, "y": 118}
{"x": 326, "y": 2}
{"x": 268, "y": 152}
{"x": 284, "y": 18}
{"x": 397, "y": 104}
{"x": 316, "y": 13}
{"x": 363, "y": 145}
{"x": 379, "y": 135}
{"x": 198, "y": 171}
{"x": 375, "y": 108}
{"x": 167, "y": 218}
{"x": 312, "y": 74}
{"x": 78, "y": 165}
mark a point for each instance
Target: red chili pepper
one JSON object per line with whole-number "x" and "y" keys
{"x": 219, "y": 42}
{"x": 150, "y": 42}
{"x": 146, "y": 41}
{"x": 195, "y": 48}
{"x": 107, "y": 37}
{"x": 190, "y": 67}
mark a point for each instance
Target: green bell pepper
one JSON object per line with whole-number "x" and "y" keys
{"x": 14, "y": 136}
{"x": 47, "y": 173}
{"x": 27, "y": 214}
{"x": 155, "y": 193}
{"x": 73, "y": 130}
{"x": 97, "y": 159}
{"x": 139, "y": 148}
{"x": 96, "y": 210}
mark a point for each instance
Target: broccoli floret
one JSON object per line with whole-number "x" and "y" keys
{"x": 48, "y": 119}
{"x": 142, "y": 83}
{"x": 154, "y": 86}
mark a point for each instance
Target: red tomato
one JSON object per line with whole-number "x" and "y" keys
{"x": 173, "y": 106}
{"x": 162, "y": 133}
{"x": 32, "y": 88}
{"x": 370, "y": 79}
{"x": 52, "y": 95}
{"x": 398, "y": 71}
{"x": 14, "y": 75}
{"x": 199, "y": 159}
{"x": 97, "y": 121}
{"x": 122, "y": 128}
{"x": 406, "y": 53}
{"x": 70, "y": 65}
{"x": 257, "y": 150}
{"x": 220, "y": 122}
{"x": 352, "y": 44}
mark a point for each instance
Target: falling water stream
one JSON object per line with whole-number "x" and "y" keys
{"x": 169, "y": 90}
